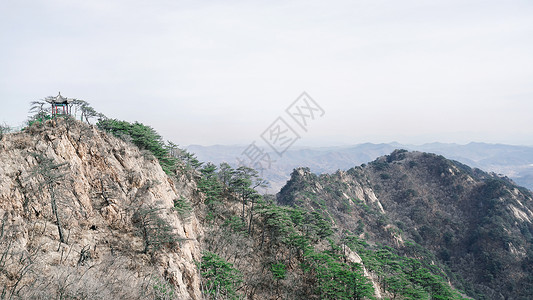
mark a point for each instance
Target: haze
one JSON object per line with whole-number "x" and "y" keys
{"x": 213, "y": 72}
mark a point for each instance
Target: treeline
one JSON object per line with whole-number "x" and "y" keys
{"x": 145, "y": 137}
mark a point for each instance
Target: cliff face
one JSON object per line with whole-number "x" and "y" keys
{"x": 115, "y": 207}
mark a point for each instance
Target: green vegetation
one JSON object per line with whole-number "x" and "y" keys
{"x": 336, "y": 279}
{"x": 170, "y": 156}
{"x": 403, "y": 276}
{"x": 307, "y": 244}
{"x": 183, "y": 207}
{"x": 235, "y": 224}
{"x": 279, "y": 270}
{"x": 407, "y": 271}
{"x": 144, "y": 137}
{"x": 162, "y": 289}
{"x": 219, "y": 277}
{"x": 293, "y": 226}
{"x": 210, "y": 185}
{"x": 295, "y": 232}
{"x": 300, "y": 230}
{"x": 39, "y": 119}
{"x": 379, "y": 165}
{"x": 41, "y": 111}
{"x": 155, "y": 231}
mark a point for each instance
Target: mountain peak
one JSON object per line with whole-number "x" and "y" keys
{"x": 450, "y": 209}
{"x": 75, "y": 201}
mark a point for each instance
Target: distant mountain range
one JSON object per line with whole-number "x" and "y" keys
{"x": 516, "y": 162}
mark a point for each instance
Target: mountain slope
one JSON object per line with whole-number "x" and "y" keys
{"x": 86, "y": 215}
{"x": 476, "y": 225}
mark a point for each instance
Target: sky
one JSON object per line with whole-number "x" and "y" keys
{"x": 221, "y": 72}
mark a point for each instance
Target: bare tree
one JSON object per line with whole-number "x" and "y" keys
{"x": 51, "y": 174}
{"x": 155, "y": 231}
{"x": 4, "y": 129}
{"x": 39, "y": 110}
{"x": 38, "y": 107}
{"x": 15, "y": 263}
{"x": 86, "y": 110}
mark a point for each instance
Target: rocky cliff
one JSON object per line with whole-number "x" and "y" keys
{"x": 82, "y": 213}
{"x": 475, "y": 226}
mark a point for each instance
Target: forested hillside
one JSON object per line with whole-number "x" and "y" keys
{"x": 475, "y": 226}
{"x": 77, "y": 198}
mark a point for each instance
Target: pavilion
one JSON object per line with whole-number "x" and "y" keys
{"x": 60, "y": 105}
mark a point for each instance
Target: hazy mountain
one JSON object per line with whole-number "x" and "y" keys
{"x": 516, "y": 162}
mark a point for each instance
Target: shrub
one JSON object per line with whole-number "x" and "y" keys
{"x": 155, "y": 231}
{"x": 183, "y": 207}
{"x": 384, "y": 176}
{"x": 220, "y": 277}
{"x": 279, "y": 270}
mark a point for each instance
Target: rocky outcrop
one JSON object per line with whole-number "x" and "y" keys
{"x": 121, "y": 236}
{"x": 476, "y": 224}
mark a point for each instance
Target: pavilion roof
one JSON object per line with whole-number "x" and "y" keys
{"x": 59, "y": 100}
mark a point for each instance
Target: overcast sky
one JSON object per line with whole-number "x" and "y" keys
{"x": 220, "y": 72}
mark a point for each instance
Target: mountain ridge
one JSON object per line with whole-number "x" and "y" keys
{"x": 478, "y": 225}
{"x": 512, "y": 161}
